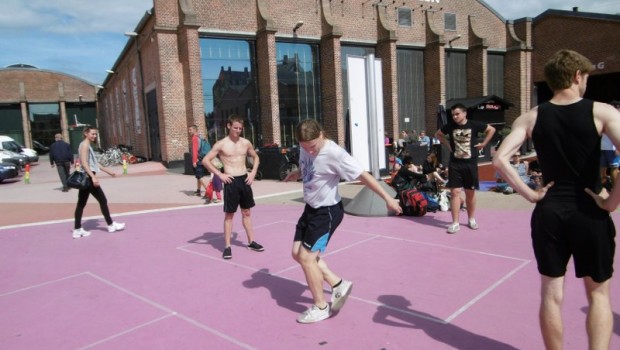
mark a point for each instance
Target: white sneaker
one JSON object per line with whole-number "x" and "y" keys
{"x": 116, "y": 226}
{"x": 80, "y": 232}
{"x": 473, "y": 224}
{"x": 453, "y": 228}
{"x": 340, "y": 294}
{"x": 314, "y": 314}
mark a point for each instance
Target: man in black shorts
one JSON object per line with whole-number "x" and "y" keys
{"x": 571, "y": 217}
{"x": 463, "y": 169}
{"x": 232, "y": 150}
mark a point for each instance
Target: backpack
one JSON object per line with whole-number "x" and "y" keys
{"x": 203, "y": 148}
{"x": 432, "y": 202}
{"x": 413, "y": 202}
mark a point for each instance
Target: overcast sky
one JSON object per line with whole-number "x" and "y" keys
{"x": 84, "y": 37}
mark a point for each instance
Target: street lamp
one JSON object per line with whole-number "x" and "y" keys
{"x": 134, "y": 36}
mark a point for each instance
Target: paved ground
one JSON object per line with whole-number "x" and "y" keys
{"x": 161, "y": 283}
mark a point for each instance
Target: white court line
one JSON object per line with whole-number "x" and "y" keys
{"x": 127, "y": 331}
{"x": 172, "y": 312}
{"x": 42, "y": 284}
{"x": 169, "y": 312}
{"x": 456, "y": 248}
{"x": 485, "y": 292}
{"x": 138, "y": 212}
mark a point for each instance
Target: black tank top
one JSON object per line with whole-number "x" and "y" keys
{"x": 568, "y": 148}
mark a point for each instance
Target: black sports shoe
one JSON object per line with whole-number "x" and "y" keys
{"x": 255, "y": 247}
{"x": 197, "y": 193}
{"x": 227, "y": 253}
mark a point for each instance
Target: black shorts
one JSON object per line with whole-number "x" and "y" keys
{"x": 200, "y": 171}
{"x": 463, "y": 175}
{"x": 564, "y": 229}
{"x": 238, "y": 194}
{"x": 316, "y": 226}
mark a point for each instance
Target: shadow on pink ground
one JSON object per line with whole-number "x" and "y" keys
{"x": 162, "y": 283}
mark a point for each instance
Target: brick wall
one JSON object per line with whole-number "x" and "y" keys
{"x": 171, "y": 64}
{"x": 595, "y": 38}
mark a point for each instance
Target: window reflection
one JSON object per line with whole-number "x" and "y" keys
{"x": 298, "y": 87}
{"x": 229, "y": 86}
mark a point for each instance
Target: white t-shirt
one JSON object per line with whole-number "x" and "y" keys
{"x": 322, "y": 173}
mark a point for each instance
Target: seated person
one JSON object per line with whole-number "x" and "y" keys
{"x": 522, "y": 167}
{"x": 402, "y": 141}
{"x": 433, "y": 169}
{"x": 407, "y": 176}
{"x": 424, "y": 139}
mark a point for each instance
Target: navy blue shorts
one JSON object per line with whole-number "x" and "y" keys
{"x": 316, "y": 226}
{"x": 200, "y": 171}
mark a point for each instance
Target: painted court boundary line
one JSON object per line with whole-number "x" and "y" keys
{"x": 169, "y": 312}
{"x": 138, "y": 212}
{"x": 449, "y": 319}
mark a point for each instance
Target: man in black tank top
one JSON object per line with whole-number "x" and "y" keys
{"x": 571, "y": 217}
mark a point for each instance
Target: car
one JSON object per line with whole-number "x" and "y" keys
{"x": 8, "y": 171}
{"x": 39, "y": 147}
{"x": 19, "y": 160}
{"x": 9, "y": 144}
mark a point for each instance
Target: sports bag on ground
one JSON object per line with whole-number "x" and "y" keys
{"x": 413, "y": 202}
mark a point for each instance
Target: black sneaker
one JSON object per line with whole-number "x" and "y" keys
{"x": 255, "y": 247}
{"x": 197, "y": 193}
{"x": 227, "y": 253}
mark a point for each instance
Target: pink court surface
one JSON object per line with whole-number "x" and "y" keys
{"x": 162, "y": 283}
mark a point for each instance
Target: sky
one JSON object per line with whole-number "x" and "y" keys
{"x": 84, "y": 38}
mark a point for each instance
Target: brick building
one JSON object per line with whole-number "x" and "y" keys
{"x": 35, "y": 104}
{"x": 597, "y": 36}
{"x": 278, "y": 62}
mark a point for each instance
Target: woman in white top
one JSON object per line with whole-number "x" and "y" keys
{"x": 322, "y": 163}
{"x": 90, "y": 166}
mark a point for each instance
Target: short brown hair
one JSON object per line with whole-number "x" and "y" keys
{"x": 562, "y": 66}
{"x": 308, "y": 130}
{"x": 235, "y": 118}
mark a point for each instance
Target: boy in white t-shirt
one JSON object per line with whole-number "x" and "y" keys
{"x": 322, "y": 163}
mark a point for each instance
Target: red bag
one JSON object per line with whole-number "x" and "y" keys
{"x": 413, "y": 202}
{"x": 209, "y": 190}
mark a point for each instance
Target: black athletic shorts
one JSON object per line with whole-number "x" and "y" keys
{"x": 463, "y": 174}
{"x": 316, "y": 226}
{"x": 564, "y": 229}
{"x": 200, "y": 171}
{"x": 238, "y": 194}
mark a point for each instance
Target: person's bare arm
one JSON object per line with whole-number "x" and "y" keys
{"x": 442, "y": 139}
{"x": 521, "y": 129}
{"x": 489, "y": 131}
{"x": 370, "y": 182}
{"x": 607, "y": 120}
{"x": 208, "y": 164}
{"x": 255, "y": 162}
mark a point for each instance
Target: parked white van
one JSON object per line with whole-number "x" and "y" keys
{"x": 9, "y": 144}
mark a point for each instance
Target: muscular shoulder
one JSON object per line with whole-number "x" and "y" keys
{"x": 604, "y": 114}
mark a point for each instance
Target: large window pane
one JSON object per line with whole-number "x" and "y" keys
{"x": 411, "y": 90}
{"x": 496, "y": 75}
{"x": 456, "y": 75}
{"x": 298, "y": 87}
{"x": 229, "y": 86}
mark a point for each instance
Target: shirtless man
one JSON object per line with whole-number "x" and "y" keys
{"x": 232, "y": 151}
